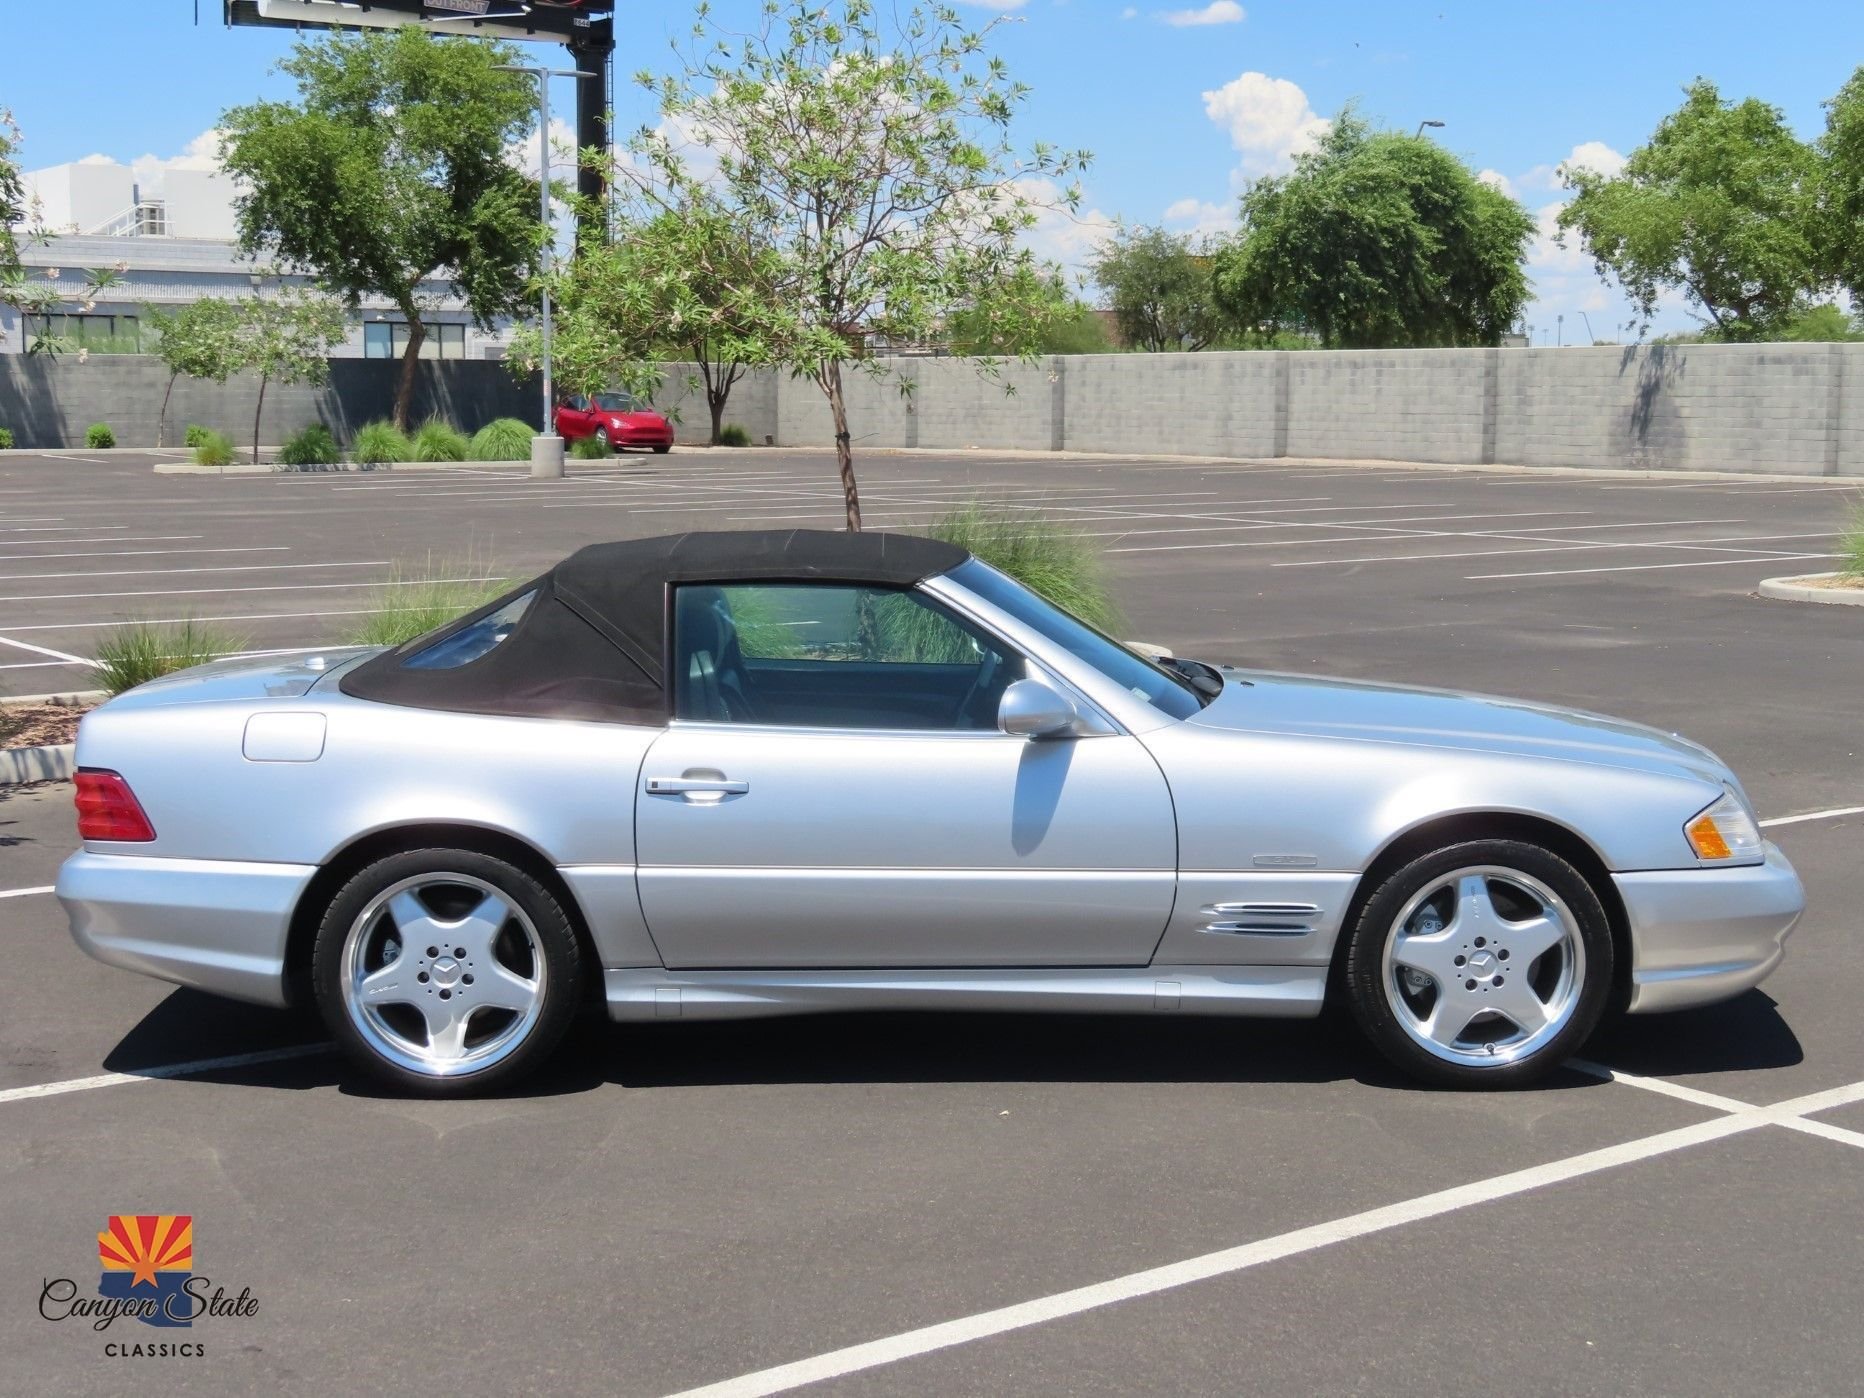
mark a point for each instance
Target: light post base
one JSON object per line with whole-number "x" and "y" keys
{"x": 546, "y": 458}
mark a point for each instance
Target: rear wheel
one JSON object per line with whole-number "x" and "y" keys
{"x": 1483, "y": 964}
{"x": 446, "y": 972}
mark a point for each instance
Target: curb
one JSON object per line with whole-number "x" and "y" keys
{"x": 1795, "y": 590}
{"x": 48, "y": 764}
{"x": 68, "y": 698}
{"x": 349, "y": 468}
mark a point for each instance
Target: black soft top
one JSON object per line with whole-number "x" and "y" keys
{"x": 592, "y": 643}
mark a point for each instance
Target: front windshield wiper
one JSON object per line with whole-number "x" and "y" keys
{"x": 1206, "y": 680}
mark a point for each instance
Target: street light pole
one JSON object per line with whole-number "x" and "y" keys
{"x": 547, "y": 446}
{"x": 1422, "y": 124}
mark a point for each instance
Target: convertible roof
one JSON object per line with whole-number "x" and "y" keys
{"x": 592, "y": 642}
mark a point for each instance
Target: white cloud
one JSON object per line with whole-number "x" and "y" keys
{"x": 1129, "y": 13}
{"x": 1070, "y": 237}
{"x": 1268, "y": 120}
{"x": 1495, "y": 179}
{"x": 996, "y": 4}
{"x": 1200, "y": 216}
{"x": 202, "y": 153}
{"x": 1216, "y": 12}
{"x": 1588, "y": 155}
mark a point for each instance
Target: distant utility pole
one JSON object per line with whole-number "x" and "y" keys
{"x": 1422, "y": 124}
{"x": 1559, "y": 322}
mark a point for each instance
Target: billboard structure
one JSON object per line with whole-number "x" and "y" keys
{"x": 587, "y": 27}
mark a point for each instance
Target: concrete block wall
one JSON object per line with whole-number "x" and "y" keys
{"x": 878, "y": 414}
{"x": 1011, "y": 406}
{"x": 1407, "y": 405}
{"x": 1182, "y": 404}
{"x": 752, "y": 404}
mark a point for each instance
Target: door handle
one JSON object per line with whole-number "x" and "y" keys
{"x": 684, "y": 786}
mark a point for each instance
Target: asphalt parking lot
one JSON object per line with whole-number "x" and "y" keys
{"x": 891, "y": 1204}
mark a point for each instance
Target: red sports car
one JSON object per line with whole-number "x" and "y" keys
{"x": 615, "y": 419}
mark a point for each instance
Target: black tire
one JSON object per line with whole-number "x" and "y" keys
{"x": 1369, "y": 997}
{"x": 553, "y": 941}
{"x": 662, "y": 451}
{"x": 601, "y": 435}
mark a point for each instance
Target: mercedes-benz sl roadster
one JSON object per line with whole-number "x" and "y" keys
{"x": 762, "y": 773}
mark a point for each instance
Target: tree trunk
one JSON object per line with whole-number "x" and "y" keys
{"x": 256, "y": 413}
{"x": 161, "y": 422}
{"x": 715, "y": 400}
{"x": 410, "y": 359}
{"x": 844, "y": 454}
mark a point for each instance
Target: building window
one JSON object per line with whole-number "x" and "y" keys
{"x": 384, "y": 339}
{"x": 100, "y": 334}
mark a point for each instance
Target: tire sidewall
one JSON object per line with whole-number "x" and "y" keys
{"x": 556, "y": 941}
{"x": 1375, "y": 925}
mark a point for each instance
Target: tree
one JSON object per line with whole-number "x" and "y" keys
{"x": 1841, "y": 227}
{"x": 35, "y": 298}
{"x": 391, "y": 170}
{"x": 201, "y": 340}
{"x": 1720, "y": 204}
{"x": 1160, "y": 288}
{"x": 1071, "y": 327}
{"x": 865, "y": 154}
{"x": 1377, "y": 239}
{"x": 686, "y": 282}
{"x": 286, "y": 338}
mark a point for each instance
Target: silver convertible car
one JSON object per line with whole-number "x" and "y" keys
{"x": 765, "y": 773}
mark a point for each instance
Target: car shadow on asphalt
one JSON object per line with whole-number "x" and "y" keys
{"x": 1746, "y": 1034}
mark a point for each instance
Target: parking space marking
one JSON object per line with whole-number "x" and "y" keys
{"x": 1648, "y": 567}
{"x": 176, "y": 572}
{"x": 1227, "y": 1262}
{"x": 1574, "y": 545}
{"x": 1832, "y": 814}
{"x": 136, "y": 553}
{"x": 25, "y": 892}
{"x": 157, "y": 1074}
{"x": 65, "y": 656}
{"x": 111, "y": 539}
{"x": 236, "y": 589}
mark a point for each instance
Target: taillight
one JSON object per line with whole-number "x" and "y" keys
{"x": 108, "y": 809}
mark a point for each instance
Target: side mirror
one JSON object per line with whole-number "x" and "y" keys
{"x": 1031, "y": 709}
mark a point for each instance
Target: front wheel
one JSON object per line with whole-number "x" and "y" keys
{"x": 601, "y": 437}
{"x": 446, "y": 972}
{"x": 663, "y": 450}
{"x": 1483, "y": 964}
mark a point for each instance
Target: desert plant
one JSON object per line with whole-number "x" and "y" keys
{"x": 6, "y": 439}
{"x": 1852, "y": 546}
{"x": 141, "y": 651}
{"x": 590, "y": 449}
{"x": 313, "y": 446}
{"x": 381, "y": 444}
{"x": 99, "y": 437}
{"x": 439, "y": 440}
{"x": 732, "y": 435}
{"x": 213, "y": 449}
{"x": 417, "y": 599}
{"x": 196, "y": 435}
{"x": 507, "y": 439}
{"x": 1049, "y": 559}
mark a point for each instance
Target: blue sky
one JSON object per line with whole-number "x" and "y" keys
{"x": 1177, "y": 113}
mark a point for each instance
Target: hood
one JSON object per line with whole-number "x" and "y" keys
{"x": 638, "y": 418}
{"x": 1358, "y": 711}
{"x": 259, "y": 677}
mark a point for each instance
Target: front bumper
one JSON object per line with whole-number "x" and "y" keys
{"x": 1703, "y": 935}
{"x": 216, "y": 925}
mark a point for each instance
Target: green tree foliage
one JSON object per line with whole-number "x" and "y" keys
{"x": 41, "y": 296}
{"x": 1065, "y": 324}
{"x": 1720, "y": 204}
{"x": 287, "y": 338}
{"x": 200, "y": 340}
{"x": 1841, "y": 223}
{"x": 390, "y": 169}
{"x": 864, "y": 152}
{"x": 1377, "y": 239}
{"x": 1162, "y": 289}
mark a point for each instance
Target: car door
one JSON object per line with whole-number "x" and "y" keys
{"x": 573, "y": 418}
{"x": 834, "y": 792}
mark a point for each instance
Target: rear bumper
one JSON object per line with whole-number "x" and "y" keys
{"x": 216, "y": 925}
{"x": 1703, "y": 935}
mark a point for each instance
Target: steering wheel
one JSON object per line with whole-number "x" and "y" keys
{"x": 980, "y": 690}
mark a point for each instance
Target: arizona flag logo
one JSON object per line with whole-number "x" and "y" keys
{"x": 149, "y": 1257}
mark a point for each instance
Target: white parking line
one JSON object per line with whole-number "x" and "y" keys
{"x": 1649, "y": 567}
{"x": 45, "y": 650}
{"x": 136, "y": 553}
{"x": 1570, "y": 546}
{"x": 1832, "y": 814}
{"x": 112, "y": 539}
{"x": 236, "y": 590}
{"x": 24, "y": 892}
{"x": 1229, "y": 1261}
{"x": 170, "y": 1070}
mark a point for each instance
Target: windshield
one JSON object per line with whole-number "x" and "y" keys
{"x": 1160, "y": 688}
{"x": 616, "y": 403}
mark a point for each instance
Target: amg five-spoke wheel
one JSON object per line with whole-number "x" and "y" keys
{"x": 446, "y": 968}
{"x": 1488, "y": 962}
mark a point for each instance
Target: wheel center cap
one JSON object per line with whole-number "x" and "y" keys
{"x": 446, "y": 971}
{"x": 1482, "y": 964}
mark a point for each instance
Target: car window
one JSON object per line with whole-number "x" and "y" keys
{"x": 827, "y": 656}
{"x": 469, "y": 643}
{"x": 616, "y": 403}
{"x": 575, "y": 404}
{"x": 1158, "y": 687}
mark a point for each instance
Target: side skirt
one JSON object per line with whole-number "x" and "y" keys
{"x": 1284, "y": 992}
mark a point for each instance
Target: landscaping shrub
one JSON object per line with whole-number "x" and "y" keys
{"x": 6, "y": 439}
{"x": 439, "y": 440}
{"x": 381, "y": 444}
{"x": 196, "y": 434}
{"x": 143, "y": 650}
{"x": 213, "y": 449}
{"x": 732, "y": 435}
{"x": 507, "y": 439}
{"x": 1047, "y": 558}
{"x": 416, "y": 600}
{"x": 1851, "y": 547}
{"x": 589, "y": 449}
{"x": 99, "y": 437}
{"x": 314, "y": 446}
